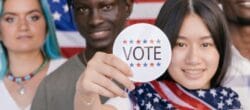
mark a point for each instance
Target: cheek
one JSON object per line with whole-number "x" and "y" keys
{"x": 7, "y": 33}
{"x": 212, "y": 59}
{"x": 176, "y": 61}
{"x": 40, "y": 30}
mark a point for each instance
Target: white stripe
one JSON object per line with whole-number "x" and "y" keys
{"x": 190, "y": 95}
{"x": 146, "y": 10}
{"x": 173, "y": 97}
{"x": 70, "y": 39}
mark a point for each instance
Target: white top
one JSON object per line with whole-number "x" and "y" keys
{"x": 6, "y": 100}
{"x": 238, "y": 77}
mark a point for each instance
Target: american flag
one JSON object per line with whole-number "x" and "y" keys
{"x": 166, "y": 95}
{"x": 70, "y": 40}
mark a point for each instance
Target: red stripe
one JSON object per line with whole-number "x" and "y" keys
{"x": 133, "y": 21}
{"x": 142, "y": 1}
{"x": 163, "y": 95}
{"x": 68, "y": 52}
{"x": 190, "y": 100}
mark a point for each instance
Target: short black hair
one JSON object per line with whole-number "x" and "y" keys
{"x": 170, "y": 20}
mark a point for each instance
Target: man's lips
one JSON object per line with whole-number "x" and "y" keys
{"x": 99, "y": 34}
{"x": 244, "y": 3}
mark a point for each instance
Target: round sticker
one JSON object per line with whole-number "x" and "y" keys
{"x": 146, "y": 49}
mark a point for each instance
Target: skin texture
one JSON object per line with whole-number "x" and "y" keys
{"x": 238, "y": 15}
{"x": 100, "y": 21}
{"x": 189, "y": 66}
{"x": 22, "y": 26}
{"x": 23, "y": 30}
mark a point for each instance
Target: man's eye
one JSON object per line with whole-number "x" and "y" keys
{"x": 107, "y": 7}
{"x": 83, "y": 10}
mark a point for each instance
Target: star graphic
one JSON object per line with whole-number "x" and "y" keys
{"x": 131, "y": 41}
{"x": 138, "y": 65}
{"x": 131, "y": 65}
{"x": 224, "y": 92}
{"x": 201, "y": 93}
{"x": 158, "y": 64}
{"x": 125, "y": 41}
{"x": 213, "y": 92}
{"x": 220, "y": 105}
{"x": 56, "y": 1}
{"x": 229, "y": 101}
{"x": 152, "y": 64}
{"x": 65, "y": 8}
{"x": 151, "y": 41}
{"x": 148, "y": 105}
{"x": 158, "y": 41}
{"x": 169, "y": 106}
{"x": 140, "y": 91}
{"x": 149, "y": 95}
{"x": 57, "y": 16}
{"x": 156, "y": 100}
{"x": 137, "y": 107}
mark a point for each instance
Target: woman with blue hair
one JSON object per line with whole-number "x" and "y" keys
{"x": 28, "y": 50}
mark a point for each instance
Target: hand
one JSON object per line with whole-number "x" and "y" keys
{"x": 99, "y": 74}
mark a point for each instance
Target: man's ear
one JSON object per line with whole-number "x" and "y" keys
{"x": 129, "y": 7}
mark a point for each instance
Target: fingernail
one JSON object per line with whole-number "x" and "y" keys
{"x": 131, "y": 87}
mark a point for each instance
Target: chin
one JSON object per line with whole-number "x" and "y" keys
{"x": 102, "y": 44}
{"x": 195, "y": 86}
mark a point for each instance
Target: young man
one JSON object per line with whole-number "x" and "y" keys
{"x": 99, "y": 21}
{"x": 238, "y": 16}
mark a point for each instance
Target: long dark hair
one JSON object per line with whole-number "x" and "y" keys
{"x": 170, "y": 20}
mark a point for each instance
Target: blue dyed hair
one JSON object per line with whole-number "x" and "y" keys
{"x": 50, "y": 47}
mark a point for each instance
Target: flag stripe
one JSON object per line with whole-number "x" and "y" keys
{"x": 148, "y": 10}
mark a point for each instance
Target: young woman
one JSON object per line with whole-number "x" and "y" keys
{"x": 200, "y": 56}
{"x": 28, "y": 50}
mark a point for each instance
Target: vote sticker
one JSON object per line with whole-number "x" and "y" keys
{"x": 146, "y": 49}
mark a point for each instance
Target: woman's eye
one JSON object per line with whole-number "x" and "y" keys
{"x": 35, "y": 18}
{"x": 9, "y": 19}
{"x": 180, "y": 44}
{"x": 206, "y": 44}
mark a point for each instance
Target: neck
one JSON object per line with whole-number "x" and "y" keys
{"x": 23, "y": 64}
{"x": 90, "y": 52}
{"x": 240, "y": 36}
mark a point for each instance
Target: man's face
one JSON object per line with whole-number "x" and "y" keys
{"x": 237, "y": 11}
{"x": 100, "y": 21}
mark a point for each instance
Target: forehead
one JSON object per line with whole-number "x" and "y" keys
{"x": 193, "y": 27}
{"x": 21, "y": 5}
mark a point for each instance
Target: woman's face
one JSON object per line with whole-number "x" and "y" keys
{"x": 23, "y": 26}
{"x": 195, "y": 57}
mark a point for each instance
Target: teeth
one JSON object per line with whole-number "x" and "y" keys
{"x": 246, "y": 4}
{"x": 193, "y": 71}
{"x": 193, "y": 74}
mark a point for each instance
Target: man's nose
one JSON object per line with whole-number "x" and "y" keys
{"x": 96, "y": 18}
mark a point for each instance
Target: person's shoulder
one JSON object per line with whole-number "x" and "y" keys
{"x": 55, "y": 63}
{"x": 70, "y": 70}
